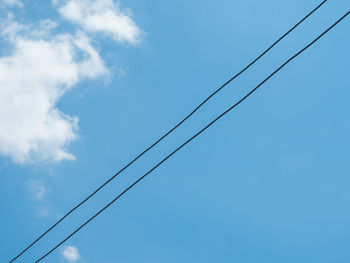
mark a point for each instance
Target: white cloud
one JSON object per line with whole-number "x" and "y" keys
{"x": 102, "y": 16}
{"x": 40, "y": 68}
{"x": 71, "y": 254}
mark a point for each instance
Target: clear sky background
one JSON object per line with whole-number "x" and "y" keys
{"x": 270, "y": 182}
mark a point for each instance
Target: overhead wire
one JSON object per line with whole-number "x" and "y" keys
{"x": 167, "y": 133}
{"x": 194, "y": 136}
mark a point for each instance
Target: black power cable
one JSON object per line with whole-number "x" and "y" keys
{"x": 166, "y": 134}
{"x": 194, "y": 136}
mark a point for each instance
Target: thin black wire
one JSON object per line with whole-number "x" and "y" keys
{"x": 170, "y": 131}
{"x": 194, "y": 136}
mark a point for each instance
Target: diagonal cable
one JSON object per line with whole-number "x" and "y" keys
{"x": 169, "y": 132}
{"x": 194, "y": 136}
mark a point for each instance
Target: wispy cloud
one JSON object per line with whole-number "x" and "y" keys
{"x": 13, "y": 3}
{"x": 102, "y": 16}
{"x": 43, "y": 212}
{"x": 39, "y": 191}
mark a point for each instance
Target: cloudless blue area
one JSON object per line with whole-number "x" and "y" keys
{"x": 270, "y": 182}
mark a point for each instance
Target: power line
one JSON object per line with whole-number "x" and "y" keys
{"x": 169, "y": 132}
{"x": 194, "y": 136}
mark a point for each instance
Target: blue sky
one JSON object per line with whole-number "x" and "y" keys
{"x": 268, "y": 183}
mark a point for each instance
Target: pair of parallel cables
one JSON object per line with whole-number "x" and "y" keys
{"x": 174, "y": 128}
